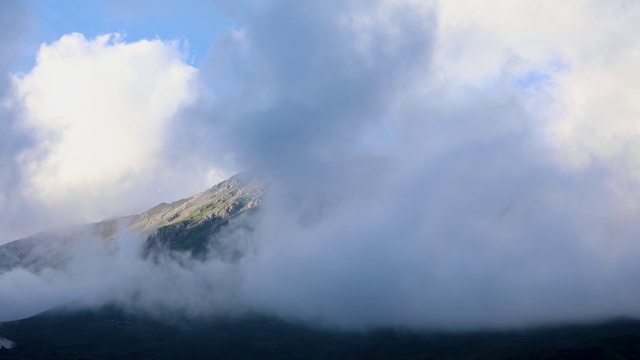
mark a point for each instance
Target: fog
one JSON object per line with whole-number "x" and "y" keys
{"x": 437, "y": 165}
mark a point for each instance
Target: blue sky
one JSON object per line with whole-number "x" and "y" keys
{"x": 195, "y": 22}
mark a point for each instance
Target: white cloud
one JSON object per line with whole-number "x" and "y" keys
{"x": 586, "y": 51}
{"x": 101, "y": 112}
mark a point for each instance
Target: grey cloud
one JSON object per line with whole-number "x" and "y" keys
{"x": 305, "y": 91}
{"x": 466, "y": 222}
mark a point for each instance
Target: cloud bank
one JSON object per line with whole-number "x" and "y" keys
{"x": 435, "y": 164}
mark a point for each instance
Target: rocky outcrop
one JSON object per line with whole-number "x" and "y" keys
{"x": 190, "y": 224}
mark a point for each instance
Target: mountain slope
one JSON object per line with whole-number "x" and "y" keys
{"x": 112, "y": 333}
{"x": 188, "y": 224}
{"x": 184, "y": 225}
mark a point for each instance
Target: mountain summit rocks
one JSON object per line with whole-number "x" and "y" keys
{"x": 191, "y": 224}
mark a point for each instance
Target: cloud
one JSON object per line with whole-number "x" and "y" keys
{"x": 434, "y": 165}
{"x": 584, "y": 49}
{"x": 425, "y": 176}
{"x": 99, "y": 110}
{"x": 100, "y": 114}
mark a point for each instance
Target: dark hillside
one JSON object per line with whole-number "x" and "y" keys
{"x": 111, "y": 333}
